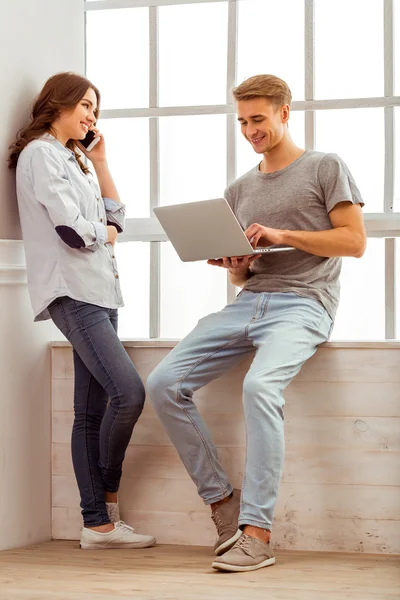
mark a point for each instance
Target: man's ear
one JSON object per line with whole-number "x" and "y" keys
{"x": 285, "y": 112}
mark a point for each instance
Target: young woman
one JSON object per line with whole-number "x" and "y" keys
{"x": 70, "y": 226}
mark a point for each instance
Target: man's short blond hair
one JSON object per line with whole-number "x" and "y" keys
{"x": 264, "y": 86}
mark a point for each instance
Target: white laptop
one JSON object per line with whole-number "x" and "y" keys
{"x": 207, "y": 229}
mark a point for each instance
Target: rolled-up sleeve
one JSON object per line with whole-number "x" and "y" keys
{"x": 337, "y": 183}
{"x": 115, "y": 213}
{"x": 53, "y": 190}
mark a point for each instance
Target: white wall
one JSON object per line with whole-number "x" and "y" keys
{"x": 37, "y": 39}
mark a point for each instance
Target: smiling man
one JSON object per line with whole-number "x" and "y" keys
{"x": 286, "y": 308}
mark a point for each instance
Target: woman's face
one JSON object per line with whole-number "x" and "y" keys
{"x": 74, "y": 124}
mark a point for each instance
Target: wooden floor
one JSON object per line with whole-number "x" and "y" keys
{"x": 59, "y": 570}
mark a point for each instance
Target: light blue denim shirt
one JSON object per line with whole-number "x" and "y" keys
{"x": 63, "y": 219}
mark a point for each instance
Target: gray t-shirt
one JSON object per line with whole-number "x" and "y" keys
{"x": 298, "y": 197}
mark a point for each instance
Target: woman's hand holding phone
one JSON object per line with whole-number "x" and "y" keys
{"x": 97, "y": 152}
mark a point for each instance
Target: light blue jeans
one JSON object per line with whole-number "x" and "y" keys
{"x": 285, "y": 330}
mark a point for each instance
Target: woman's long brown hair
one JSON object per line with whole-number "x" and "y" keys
{"x": 61, "y": 92}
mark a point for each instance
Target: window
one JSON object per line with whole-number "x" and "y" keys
{"x": 134, "y": 269}
{"x": 127, "y": 145}
{"x": 257, "y": 46}
{"x": 192, "y": 158}
{"x": 189, "y": 291}
{"x": 362, "y": 283}
{"x": 117, "y": 56}
{"x": 197, "y": 74}
{"x": 349, "y": 48}
{"x": 358, "y": 136}
{"x": 165, "y": 75}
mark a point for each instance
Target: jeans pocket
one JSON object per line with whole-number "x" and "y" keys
{"x": 58, "y": 316}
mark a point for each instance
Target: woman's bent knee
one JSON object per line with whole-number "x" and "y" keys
{"x": 130, "y": 392}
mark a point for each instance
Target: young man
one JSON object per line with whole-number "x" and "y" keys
{"x": 286, "y": 308}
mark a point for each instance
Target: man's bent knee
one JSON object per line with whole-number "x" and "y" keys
{"x": 263, "y": 395}
{"x": 158, "y": 383}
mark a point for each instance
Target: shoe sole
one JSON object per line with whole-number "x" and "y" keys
{"x": 236, "y": 569}
{"x": 132, "y": 546}
{"x": 228, "y": 544}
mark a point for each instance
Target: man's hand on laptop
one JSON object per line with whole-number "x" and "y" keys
{"x": 238, "y": 267}
{"x": 258, "y": 235}
{"x": 234, "y": 263}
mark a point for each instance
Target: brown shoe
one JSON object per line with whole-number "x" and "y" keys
{"x": 226, "y": 518}
{"x": 248, "y": 554}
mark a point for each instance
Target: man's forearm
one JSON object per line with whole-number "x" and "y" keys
{"x": 340, "y": 241}
{"x": 239, "y": 277}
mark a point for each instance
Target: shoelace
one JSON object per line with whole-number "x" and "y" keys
{"x": 243, "y": 543}
{"x": 124, "y": 526}
{"x": 217, "y": 520}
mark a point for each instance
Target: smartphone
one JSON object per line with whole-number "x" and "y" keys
{"x": 90, "y": 140}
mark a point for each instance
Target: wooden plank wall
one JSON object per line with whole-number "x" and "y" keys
{"x": 341, "y": 484}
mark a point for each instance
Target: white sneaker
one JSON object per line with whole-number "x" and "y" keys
{"x": 122, "y": 536}
{"x": 113, "y": 511}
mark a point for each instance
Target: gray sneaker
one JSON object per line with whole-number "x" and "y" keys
{"x": 248, "y": 554}
{"x": 226, "y": 518}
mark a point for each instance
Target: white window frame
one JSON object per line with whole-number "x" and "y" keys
{"x": 384, "y": 225}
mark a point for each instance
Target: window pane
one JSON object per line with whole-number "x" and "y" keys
{"x": 357, "y": 136}
{"x": 361, "y": 314}
{"x": 396, "y": 206}
{"x": 192, "y": 158}
{"x": 128, "y": 156}
{"x": 134, "y": 270}
{"x": 348, "y": 48}
{"x": 189, "y": 291}
{"x": 247, "y": 158}
{"x": 271, "y": 40}
{"x": 192, "y": 56}
{"x": 118, "y": 56}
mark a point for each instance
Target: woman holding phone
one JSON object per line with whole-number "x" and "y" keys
{"x": 70, "y": 225}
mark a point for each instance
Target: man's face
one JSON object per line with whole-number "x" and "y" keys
{"x": 262, "y": 123}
